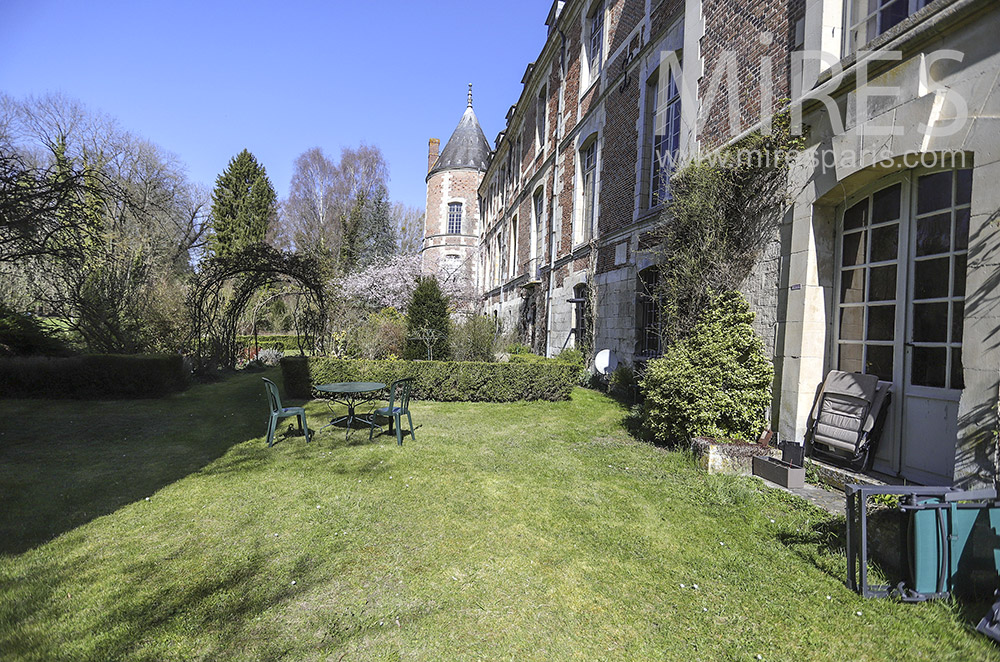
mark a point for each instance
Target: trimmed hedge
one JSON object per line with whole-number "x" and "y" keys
{"x": 93, "y": 376}
{"x": 273, "y": 342}
{"x": 446, "y": 381}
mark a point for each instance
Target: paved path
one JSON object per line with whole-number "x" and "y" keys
{"x": 828, "y": 499}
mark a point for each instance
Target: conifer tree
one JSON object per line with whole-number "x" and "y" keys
{"x": 427, "y": 322}
{"x": 243, "y": 205}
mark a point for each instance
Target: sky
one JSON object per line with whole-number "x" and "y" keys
{"x": 206, "y": 79}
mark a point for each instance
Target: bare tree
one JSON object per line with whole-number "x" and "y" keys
{"x": 92, "y": 217}
{"x": 312, "y": 212}
{"x": 409, "y": 223}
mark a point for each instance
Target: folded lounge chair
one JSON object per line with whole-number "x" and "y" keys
{"x": 847, "y": 419}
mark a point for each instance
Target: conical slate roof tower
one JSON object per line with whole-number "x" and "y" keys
{"x": 467, "y": 149}
{"x": 451, "y": 222}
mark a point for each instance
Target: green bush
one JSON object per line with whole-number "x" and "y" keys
{"x": 474, "y": 339}
{"x": 715, "y": 383}
{"x": 93, "y": 376}
{"x": 464, "y": 381}
{"x": 380, "y": 335}
{"x": 622, "y": 381}
{"x": 569, "y": 356}
{"x": 24, "y": 335}
{"x": 427, "y": 322}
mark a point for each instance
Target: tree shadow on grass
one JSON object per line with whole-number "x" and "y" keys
{"x": 66, "y": 462}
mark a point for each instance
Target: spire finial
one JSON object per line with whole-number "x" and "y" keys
{"x": 470, "y": 95}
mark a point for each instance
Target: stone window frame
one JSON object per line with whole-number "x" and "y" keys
{"x": 537, "y": 248}
{"x": 588, "y": 196}
{"x": 673, "y": 106}
{"x": 450, "y": 264}
{"x": 594, "y": 28}
{"x": 455, "y": 220}
{"x": 541, "y": 117}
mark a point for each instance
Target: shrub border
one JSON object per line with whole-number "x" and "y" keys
{"x": 445, "y": 381}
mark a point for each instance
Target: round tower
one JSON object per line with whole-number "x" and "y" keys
{"x": 451, "y": 222}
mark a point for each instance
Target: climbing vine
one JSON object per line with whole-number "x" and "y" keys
{"x": 724, "y": 210}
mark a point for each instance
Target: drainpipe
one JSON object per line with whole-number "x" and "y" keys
{"x": 552, "y": 251}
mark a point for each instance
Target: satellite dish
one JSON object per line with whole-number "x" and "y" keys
{"x": 606, "y": 361}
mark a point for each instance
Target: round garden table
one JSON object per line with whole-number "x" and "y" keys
{"x": 350, "y": 394}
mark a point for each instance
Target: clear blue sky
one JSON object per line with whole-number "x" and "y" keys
{"x": 206, "y": 79}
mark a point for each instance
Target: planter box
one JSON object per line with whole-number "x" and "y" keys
{"x": 720, "y": 457}
{"x": 776, "y": 471}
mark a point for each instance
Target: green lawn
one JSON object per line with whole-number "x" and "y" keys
{"x": 167, "y": 530}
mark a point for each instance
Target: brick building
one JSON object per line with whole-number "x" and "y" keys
{"x": 886, "y": 260}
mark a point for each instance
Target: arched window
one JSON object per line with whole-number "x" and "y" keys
{"x": 455, "y": 218}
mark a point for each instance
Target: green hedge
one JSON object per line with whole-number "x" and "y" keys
{"x": 464, "y": 381}
{"x": 273, "y": 342}
{"x": 92, "y": 376}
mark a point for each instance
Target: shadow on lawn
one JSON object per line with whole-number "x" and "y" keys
{"x": 64, "y": 463}
{"x": 822, "y": 541}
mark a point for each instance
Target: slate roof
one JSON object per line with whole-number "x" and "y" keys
{"x": 467, "y": 148}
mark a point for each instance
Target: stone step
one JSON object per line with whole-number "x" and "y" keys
{"x": 838, "y": 477}
{"x": 830, "y": 495}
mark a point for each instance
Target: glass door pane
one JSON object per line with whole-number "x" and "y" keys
{"x": 869, "y": 283}
{"x": 940, "y": 247}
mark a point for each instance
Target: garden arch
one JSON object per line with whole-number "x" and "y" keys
{"x": 225, "y": 286}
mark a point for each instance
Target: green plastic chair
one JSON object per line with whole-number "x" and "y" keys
{"x": 278, "y": 412}
{"x": 399, "y": 404}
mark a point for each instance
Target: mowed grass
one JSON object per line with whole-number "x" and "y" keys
{"x": 529, "y": 531}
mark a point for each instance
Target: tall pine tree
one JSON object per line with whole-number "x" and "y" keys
{"x": 243, "y": 205}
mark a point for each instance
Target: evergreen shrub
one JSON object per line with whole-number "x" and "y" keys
{"x": 716, "y": 382}
{"x": 24, "y": 335}
{"x": 427, "y": 317}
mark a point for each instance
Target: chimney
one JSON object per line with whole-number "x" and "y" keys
{"x": 432, "y": 152}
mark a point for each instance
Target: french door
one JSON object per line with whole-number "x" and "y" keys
{"x": 901, "y": 295}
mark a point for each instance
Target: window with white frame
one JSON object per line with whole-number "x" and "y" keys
{"x": 868, "y": 19}
{"x": 595, "y": 47}
{"x": 455, "y": 218}
{"x": 664, "y": 111}
{"x": 588, "y": 168}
